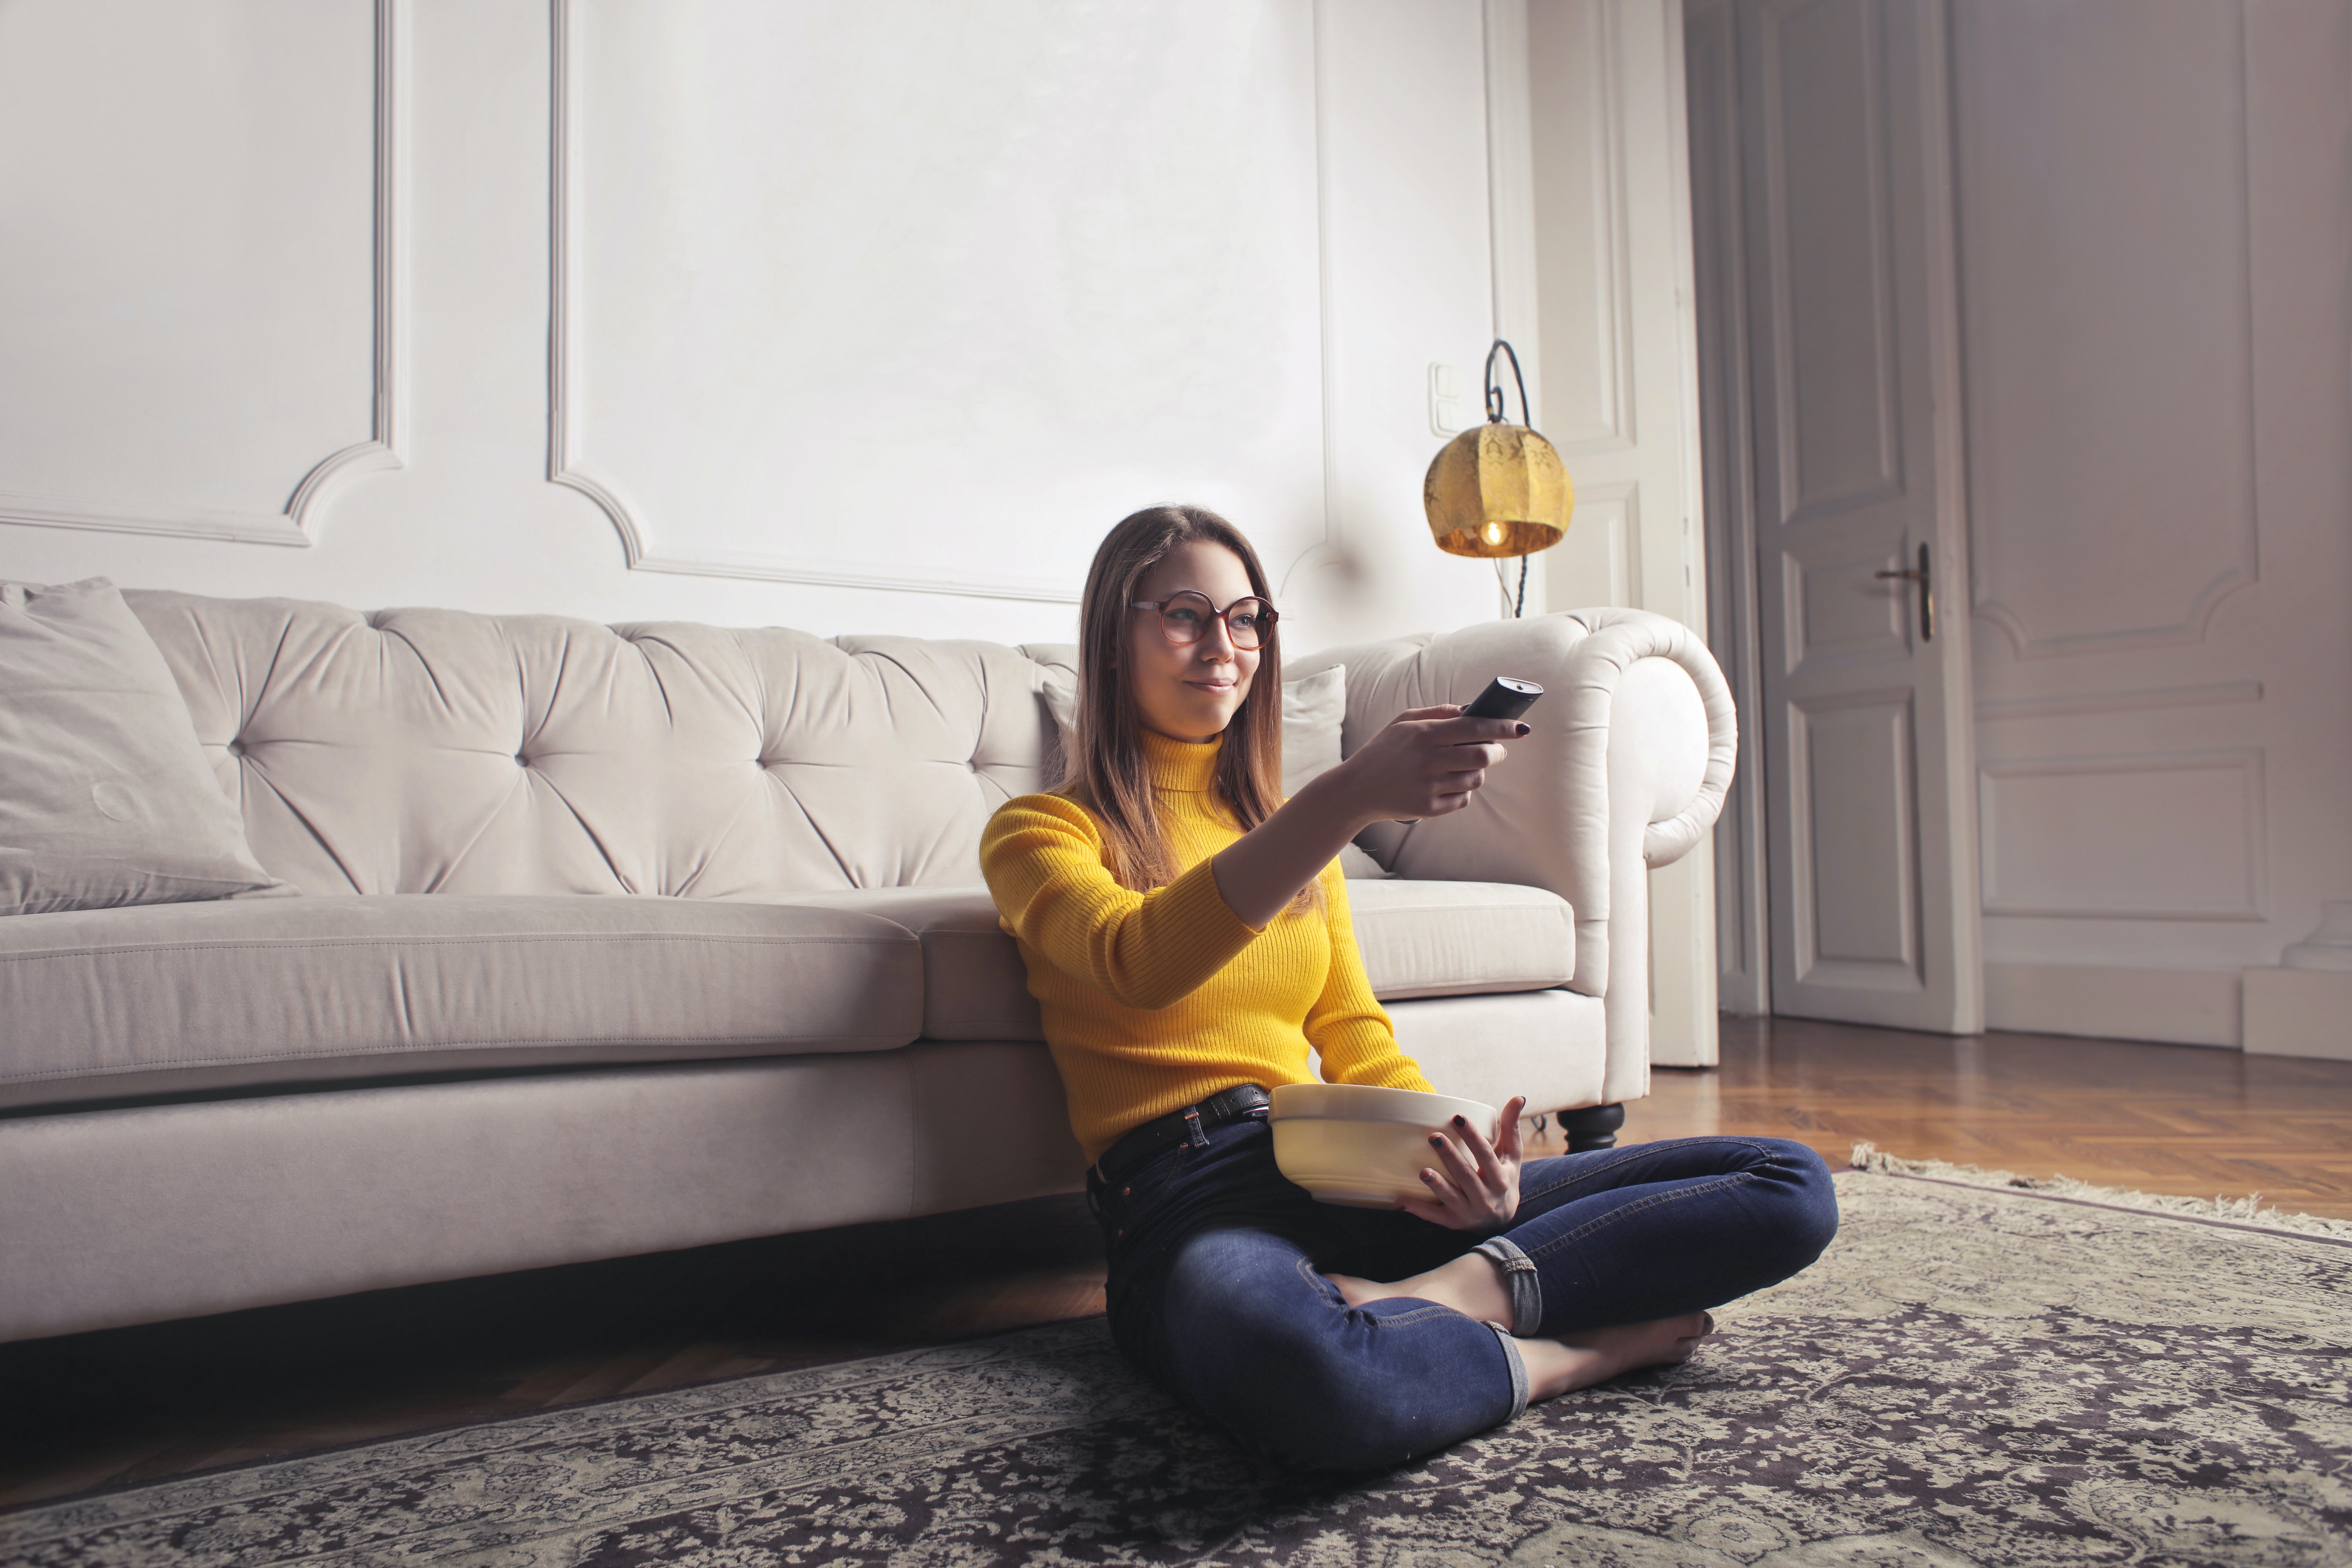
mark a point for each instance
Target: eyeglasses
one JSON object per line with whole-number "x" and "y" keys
{"x": 1184, "y": 617}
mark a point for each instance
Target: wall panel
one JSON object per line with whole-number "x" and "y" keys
{"x": 200, "y": 273}
{"x": 2103, "y": 231}
{"x": 791, "y": 346}
{"x": 2177, "y": 837}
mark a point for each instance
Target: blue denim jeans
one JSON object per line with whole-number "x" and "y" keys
{"x": 1217, "y": 1287}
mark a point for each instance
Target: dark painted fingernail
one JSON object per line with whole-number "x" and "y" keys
{"x": 1524, "y": 729}
{"x": 1459, "y": 1123}
{"x": 1437, "y": 1139}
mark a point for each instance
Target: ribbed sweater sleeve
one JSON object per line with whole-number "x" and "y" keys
{"x": 1347, "y": 1025}
{"x": 1042, "y": 856}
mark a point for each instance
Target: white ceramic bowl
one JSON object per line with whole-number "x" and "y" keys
{"x": 1365, "y": 1147}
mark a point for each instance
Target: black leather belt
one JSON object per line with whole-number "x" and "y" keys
{"x": 1190, "y": 1125}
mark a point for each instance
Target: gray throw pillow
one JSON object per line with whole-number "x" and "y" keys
{"x": 105, "y": 796}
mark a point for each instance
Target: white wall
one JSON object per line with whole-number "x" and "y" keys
{"x": 847, "y": 293}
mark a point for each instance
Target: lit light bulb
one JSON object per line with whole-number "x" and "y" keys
{"x": 1494, "y": 534}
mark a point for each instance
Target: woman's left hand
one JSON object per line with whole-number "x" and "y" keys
{"x": 1476, "y": 1185}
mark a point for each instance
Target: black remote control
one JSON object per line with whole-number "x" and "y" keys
{"x": 1504, "y": 698}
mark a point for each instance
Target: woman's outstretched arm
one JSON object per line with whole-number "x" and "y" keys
{"x": 1426, "y": 763}
{"x": 1042, "y": 856}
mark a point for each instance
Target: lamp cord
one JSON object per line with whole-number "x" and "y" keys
{"x": 1495, "y": 408}
{"x": 1494, "y": 404}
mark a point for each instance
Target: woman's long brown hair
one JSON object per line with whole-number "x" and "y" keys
{"x": 1103, "y": 767}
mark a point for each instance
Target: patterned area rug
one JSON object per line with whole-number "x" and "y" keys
{"x": 1972, "y": 1375}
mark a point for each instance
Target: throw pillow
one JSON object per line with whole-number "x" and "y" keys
{"x": 105, "y": 796}
{"x": 1313, "y": 708}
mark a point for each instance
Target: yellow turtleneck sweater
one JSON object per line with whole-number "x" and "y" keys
{"x": 1153, "y": 1001}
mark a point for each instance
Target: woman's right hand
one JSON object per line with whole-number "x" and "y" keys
{"x": 1427, "y": 762}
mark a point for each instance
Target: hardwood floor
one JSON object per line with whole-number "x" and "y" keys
{"x": 2186, "y": 1119}
{"x": 134, "y": 1404}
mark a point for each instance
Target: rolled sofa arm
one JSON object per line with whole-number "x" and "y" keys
{"x": 1631, "y": 751}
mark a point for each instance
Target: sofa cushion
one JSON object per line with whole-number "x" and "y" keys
{"x": 1419, "y": 939}
{"x": 172, "y": 997}
{"x": 975, "y": 986}
{"x": 1461, "y": 939}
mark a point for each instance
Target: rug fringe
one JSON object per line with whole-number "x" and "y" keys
{"x": 2249, "y": 1210}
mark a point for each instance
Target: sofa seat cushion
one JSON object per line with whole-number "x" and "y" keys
{"x": 1419, "y": 939}
{"x": 1461, "y": 939}
{"x": 174, "y": 998}
{"x": 975, "y": 986}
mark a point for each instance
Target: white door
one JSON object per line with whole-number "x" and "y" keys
{"x": 1867, "y": 721}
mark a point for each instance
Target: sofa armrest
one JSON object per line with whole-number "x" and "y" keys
{"x": 1631, "y": 751}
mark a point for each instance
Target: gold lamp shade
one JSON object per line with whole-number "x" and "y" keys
{"x": 1499, "y": 490}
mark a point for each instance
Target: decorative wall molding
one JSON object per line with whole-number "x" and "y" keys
{"x": 570, "y": 465}
{"x": 1611, "y": 248}
{"x": 1511, "y": 190}
{"x": 1614, "y": 506}
{"x": 2186, "y": 632}
{"x": 1798, "y": 500}
{"x": 2249, "y": 904}
{"x": 1328, "y": 550}
{"x": 2074, "y": 703}
{"x": 2242, "y": 568}
{"x": 387, "y": 444}
{"x": 566, "y": 423}
{"x": 1607, "y": 228}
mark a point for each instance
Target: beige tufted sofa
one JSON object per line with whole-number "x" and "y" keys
{"x": 614, "y": 940}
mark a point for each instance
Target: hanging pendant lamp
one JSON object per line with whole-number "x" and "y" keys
{"x": 1499, "y": 490}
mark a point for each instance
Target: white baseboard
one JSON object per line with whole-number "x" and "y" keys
{"x": 2177, "y": 1006}
{"x": 2300, "y": 1013}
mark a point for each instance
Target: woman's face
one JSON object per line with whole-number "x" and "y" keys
{"x": 1189, "y": 691}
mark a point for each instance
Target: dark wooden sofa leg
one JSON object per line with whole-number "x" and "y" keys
{"x": 1594, "y": 1127}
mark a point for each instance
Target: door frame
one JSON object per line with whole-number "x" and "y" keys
{"x": 1726, "y": 441}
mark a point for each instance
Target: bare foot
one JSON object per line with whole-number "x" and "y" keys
{"x": 1595, "y": 1355}
{"x": 1471, "y": 1284}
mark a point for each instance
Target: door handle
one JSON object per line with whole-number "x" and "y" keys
{"x": 1926, "y": 594}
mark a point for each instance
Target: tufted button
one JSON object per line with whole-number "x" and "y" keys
{"x": 522, "y": 761}
{"x": 237, "y": 746}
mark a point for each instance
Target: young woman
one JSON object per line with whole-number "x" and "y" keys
{"x": 1187, "y": 937}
